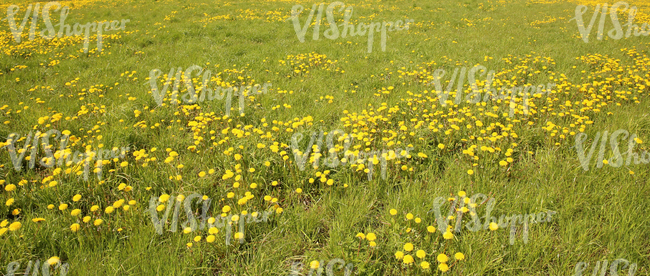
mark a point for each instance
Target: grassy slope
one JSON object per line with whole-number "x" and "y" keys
{"x": 601, "y": 213}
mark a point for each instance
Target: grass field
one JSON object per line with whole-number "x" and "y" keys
{"x": 210, "y": 168}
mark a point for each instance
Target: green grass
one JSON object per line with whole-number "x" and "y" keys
{"x": 601, "y": 213}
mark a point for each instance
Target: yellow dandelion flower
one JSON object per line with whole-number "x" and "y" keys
{"x": 75, "y": 227}
{"x": 442, "y": 258}
{"x": 53, "y": 260}
{"x": 163, "y": 198}
{"x": 493, "y": 226}
{"x": 15, "y": 226}
{"x": 118, "y": 204}
{"x": 314, "y": 264}
{"x": 399, "y": 255}
{"x": 210, "y": 238}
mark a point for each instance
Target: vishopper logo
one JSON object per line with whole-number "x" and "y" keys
{"x": 13, "y": 268}
{"x": 333, "y": 31}
{"x": 615, "y": 33}
{"x": 99, "y": 27}
{"x": 613, "y": 269}
{"x": 617, "y": 159}
{"x": 475, "y": 96}
{"x": 190, "y": 97}
{"x": 458, "y": 207}
{"x": 319, "y": 266}
{"x": 64, "y": 155}
{"x": 157, "y": 204}
{"x": 356, "y": 158}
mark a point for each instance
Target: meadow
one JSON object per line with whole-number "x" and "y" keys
{"x": 197, "y": 174}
